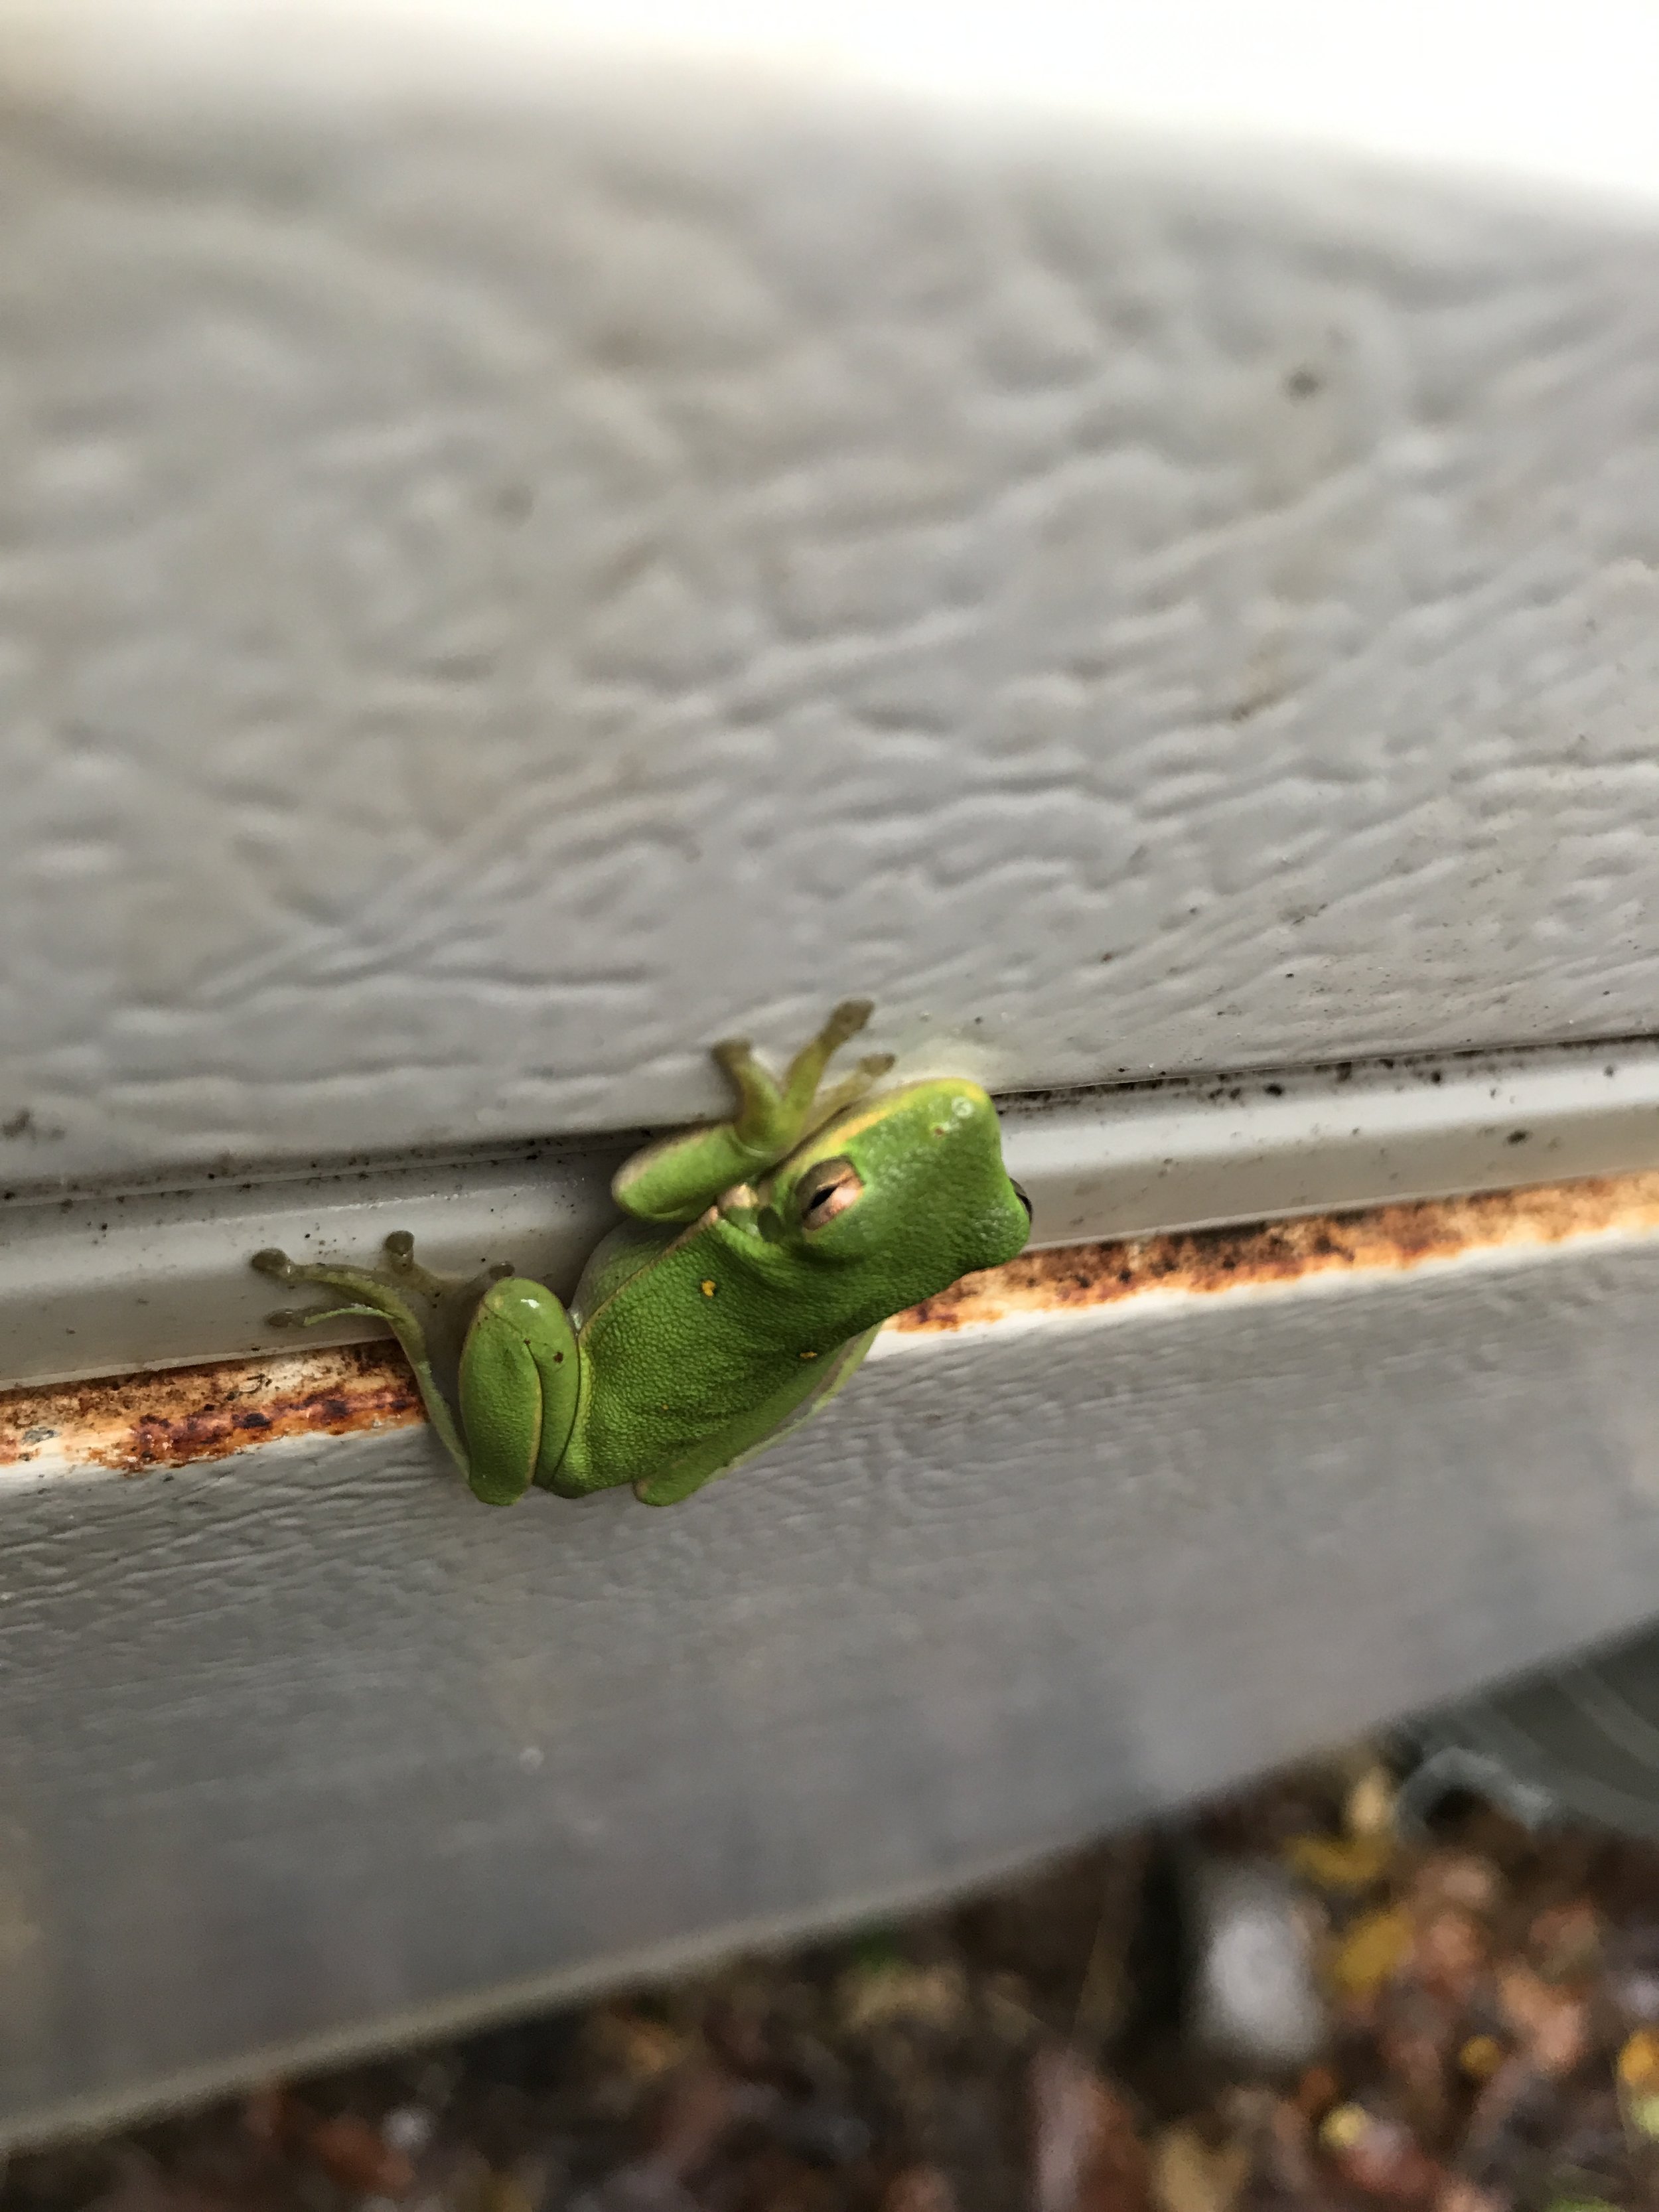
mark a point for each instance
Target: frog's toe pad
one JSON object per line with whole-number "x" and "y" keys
{"x": 847, "y": 1020}
{"x": 404, "y": 1272}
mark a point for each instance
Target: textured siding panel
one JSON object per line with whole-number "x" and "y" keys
{"x": 516, "y": 561}
{"x": 303, "y": 1745}
{"x": 498, "y": 587}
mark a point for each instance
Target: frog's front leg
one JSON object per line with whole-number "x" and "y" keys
{"x": 520, "y": 1370}
{"x": 673, "y": 1181}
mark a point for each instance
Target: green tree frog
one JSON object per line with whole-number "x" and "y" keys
{"x": 760, "y": 1257}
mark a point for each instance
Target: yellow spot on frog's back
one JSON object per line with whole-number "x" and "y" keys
{"x": 809, "y": 1355}
{"x": 707, "y": 1287}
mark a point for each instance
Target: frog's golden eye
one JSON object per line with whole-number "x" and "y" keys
{"x": 827, "y": 1190}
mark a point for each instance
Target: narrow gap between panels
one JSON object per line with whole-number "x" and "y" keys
{"x": 132, "y": 1424}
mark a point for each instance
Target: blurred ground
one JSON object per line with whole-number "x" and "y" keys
{"x": 1279, "y": 2004}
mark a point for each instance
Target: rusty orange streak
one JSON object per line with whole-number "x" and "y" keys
{"x": 134, "y": 1422}
{"x": 1374, "y": 1239}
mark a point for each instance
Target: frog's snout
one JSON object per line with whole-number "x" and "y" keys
{"x": 1021, "y": 1196}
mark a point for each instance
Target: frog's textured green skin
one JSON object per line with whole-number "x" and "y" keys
{"x": 764, "y": 1254}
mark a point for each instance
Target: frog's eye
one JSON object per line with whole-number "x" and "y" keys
{"x": 827, "y": 1190}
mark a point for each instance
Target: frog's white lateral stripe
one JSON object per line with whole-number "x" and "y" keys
{"x": 103, "y": 1283}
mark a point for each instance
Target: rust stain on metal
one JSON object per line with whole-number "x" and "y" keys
{"x": 1376, "y": 1239}
{"x": 134, "y": 1422}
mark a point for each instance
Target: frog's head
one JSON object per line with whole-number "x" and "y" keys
{"x": 909, "y": 1189}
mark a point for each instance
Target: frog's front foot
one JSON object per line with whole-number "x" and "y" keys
{"x": 386, "y": 1291}
{"x": 409, "y": 1299}
{"x": 290, "y": 1274}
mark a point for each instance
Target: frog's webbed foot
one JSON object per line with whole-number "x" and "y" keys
{"x": 851, "y": 1088}
{"x": 845, "y": 1021}
{"x": 394, "y": 1293}
{"x": 387, "y": 1291}
{"x": 771, "y": 1115}
{"x": 675, "y": 1179}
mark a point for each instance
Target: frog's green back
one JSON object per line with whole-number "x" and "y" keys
{"x": 796, "y": 1401}
{"x": 630, "y": 1246}
{"x": 700, "y": 1355}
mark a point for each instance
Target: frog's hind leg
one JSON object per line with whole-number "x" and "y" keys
{"x": 772, "y": 1117}
{"x": 387, "y": 1293}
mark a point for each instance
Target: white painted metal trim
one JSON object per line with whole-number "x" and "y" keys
{"x": 102, "y": 1283}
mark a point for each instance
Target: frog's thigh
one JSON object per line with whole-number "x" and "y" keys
{"x": 519, "y": 1380}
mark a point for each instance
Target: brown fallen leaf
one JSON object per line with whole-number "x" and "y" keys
{"x": 1510, "y": 2104}
{"x": 1368, "y": 1808}
{"x": 1630, "y": 1963}
{"x": 698, "y": 2105}
{"x": 1449, "y": 1953}
{"x": 141, "y": 2185}
{"x": 1565, "y": 1940}
{"x": 1343, "y": 2126}
{"x": 1416, "y": 2059}
{"x": 1189, "y": 2175}
{"x": 1551, "y": 2024}
{"x": 1371, "y": 1951}
{"x": 645, "y": 2184}
{"x": 1637, "y": 2074}
{"x": 1340, "y": 1863}
{"x": 265, "y": 2112}
{"x": 891, "y": 1991}
{"x": 1479, "y": 2058}
{"x": 350, "y": 2150}
{"x": 774, "y": 2182}
{"x": 1379, "y": 2156}
{"x": 1638, "y": 2061}
{"x": 1009, "y": 2007}
{"x": 166, "y": 2194}
{"x": 504, "y": 2192}
{"x": 1463, "y": 1879}
{"x": 1316, "y": 2092}
{"x": 1286, "y": 2145}
{"x": 1086, "y": 2153}
{"x": 356, "y": 2155}
{"x": 643, "y": 2048}
{"x": 919, "y": 2189}
{"x": 1460, "y": 2196}
{"x": 700, "y": 2102}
